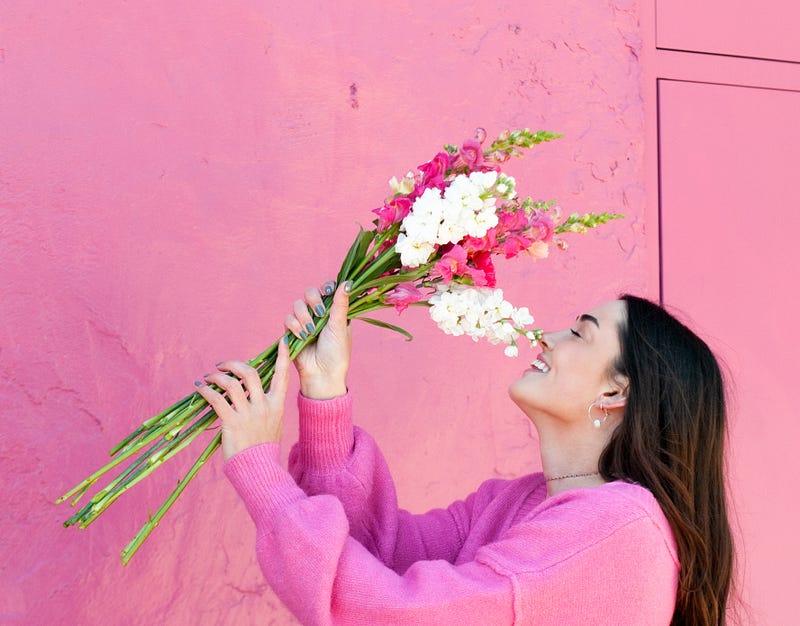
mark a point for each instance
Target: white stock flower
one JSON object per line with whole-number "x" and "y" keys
{"x": 413, "y": 253}
{"x": 522, "y": 317}
{"x": 438, "y": 218}
{"x": 479, "y": 312}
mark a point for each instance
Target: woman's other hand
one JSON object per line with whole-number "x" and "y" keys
{"x": 323, "y": 365}
{"x": 249, "y": 416}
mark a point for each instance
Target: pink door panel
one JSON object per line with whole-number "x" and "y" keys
{"x": 767, "y": 30}
{"x": 730, "y": 216}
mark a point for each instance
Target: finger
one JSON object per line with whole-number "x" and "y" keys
{"x": 247, "y": 373}
{"x": 304, "y": 317}
{"x": 215, "y": 401}
{"x": 328, "y": 287}
{"x": 280, "y": 378}
{"x": 295, "y": 327}
{"x": 338, "y": 313}
{"x": 232, "y": 386}
{"x": 314, "y": 299}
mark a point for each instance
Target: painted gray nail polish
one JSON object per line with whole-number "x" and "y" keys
{"x": 320, "y": 310}
{"x": 310, "y": 328}
{"x": 303, "y": 334}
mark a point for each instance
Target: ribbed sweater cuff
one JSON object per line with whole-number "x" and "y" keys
{"x": 326, "y": 430}
{"x": 261, "y": 482}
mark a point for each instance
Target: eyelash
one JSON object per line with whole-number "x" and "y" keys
{"x": 574, "y": 332}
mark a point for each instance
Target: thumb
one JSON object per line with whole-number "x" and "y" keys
{"x": 339, "y": 307}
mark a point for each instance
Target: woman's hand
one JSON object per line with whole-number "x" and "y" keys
{"x": 252, "y": 417}
{"x": 323, "y": 365}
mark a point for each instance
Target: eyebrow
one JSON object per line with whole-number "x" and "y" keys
{"x": 588, "y": 318}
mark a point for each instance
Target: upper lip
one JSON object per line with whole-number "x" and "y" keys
{"x": 542, "y": 359}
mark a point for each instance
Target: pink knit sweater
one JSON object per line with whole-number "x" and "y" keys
{"x": 335, "y": 547}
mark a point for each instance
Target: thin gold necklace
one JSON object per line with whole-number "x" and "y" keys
{"x": 571, "y": 476}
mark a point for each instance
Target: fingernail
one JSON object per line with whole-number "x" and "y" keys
{"x": 320, "y": 310}
{"x": 218, "y": 364}
{"x": 310, "y": 328}
{"x": 286, "y": 339}
{"x": 328, "y": 289}
{"x": 348, "y": 286}
{"x": 197, "y": 383}
{"x": 303, "y": 334}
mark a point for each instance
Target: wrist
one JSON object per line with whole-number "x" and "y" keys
{"x": 322, "y": 389}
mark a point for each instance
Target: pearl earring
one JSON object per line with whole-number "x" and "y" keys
{"x": 597, "y": 422}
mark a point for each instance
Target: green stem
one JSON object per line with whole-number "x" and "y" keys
{"x": 161, "y": 456}
{"x": 85, "y": 510}
{"x": 149, "y": 526}
{"x": 178, "y": 405}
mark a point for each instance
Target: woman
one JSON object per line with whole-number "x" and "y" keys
{"x": 625, "y": 525}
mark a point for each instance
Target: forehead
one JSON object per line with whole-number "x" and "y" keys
{"x": 609, "y": 314}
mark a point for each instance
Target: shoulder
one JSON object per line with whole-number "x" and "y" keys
{"x": 615, "y": 516}
{"x": 605, "y": 552}
{"x": 527, "y": 491}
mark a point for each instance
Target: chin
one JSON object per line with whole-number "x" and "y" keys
{"x": 517, "y": 392}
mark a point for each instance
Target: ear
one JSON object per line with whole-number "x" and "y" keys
{"x": 613, "y": 398}
{"x": 612, "y": 401}
{"x": 615, "y": 395}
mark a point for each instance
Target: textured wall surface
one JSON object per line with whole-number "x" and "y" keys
{"x": 173, "y": 175}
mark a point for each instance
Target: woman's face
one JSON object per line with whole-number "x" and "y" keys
{"x": 574, "y": 368}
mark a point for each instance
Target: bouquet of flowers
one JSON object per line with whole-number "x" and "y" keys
{"x": 432, "y": 245}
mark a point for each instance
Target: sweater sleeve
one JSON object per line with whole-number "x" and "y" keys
{"x": 325, "y": 576}
{"x": 333, "y": 457}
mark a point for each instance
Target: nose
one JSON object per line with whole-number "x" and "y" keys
{"x": 550, "y": 339}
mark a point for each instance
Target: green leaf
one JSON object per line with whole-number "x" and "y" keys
{"x": 356, "y": 252}
{"x": 382, "y": 324}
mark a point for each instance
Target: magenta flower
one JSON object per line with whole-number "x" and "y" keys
{"x": 403, "y": 295}
{"x": 513, "y": 244}
{"x": 471, "y": 154}
{"x": 453, "y": 263}
{"x": 483, "y": 271}
{"x": 395, "y": 210}
{"x": 433, "y": 171}
{"x": 541, "y": 227}
{"x": 478, "y": 244}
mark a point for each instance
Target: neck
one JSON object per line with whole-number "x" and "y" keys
{"x": 568, "y": 450}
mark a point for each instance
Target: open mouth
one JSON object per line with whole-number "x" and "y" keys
{"x": 540, "y": 365}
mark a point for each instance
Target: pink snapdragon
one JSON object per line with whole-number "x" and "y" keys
{"x": 433, "y": 171}
{"x": 483, "y": 273}
{"x": 403, "y": 295}
{"x": 478, "y": 244}
{"x": 541, "y": 227}
{"x": 472, "y": 154}
{"x": 453, "y": 263}
{"x": 395, "y": 210}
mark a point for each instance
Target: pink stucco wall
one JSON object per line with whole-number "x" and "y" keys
{"x": 172, "y": 175}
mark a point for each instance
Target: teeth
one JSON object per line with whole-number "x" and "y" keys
{"x": 541, "y": 366}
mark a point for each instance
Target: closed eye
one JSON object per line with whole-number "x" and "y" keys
{"x": 575, "y": 332}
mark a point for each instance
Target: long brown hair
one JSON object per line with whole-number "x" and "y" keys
{"x": 671, "y": 441}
